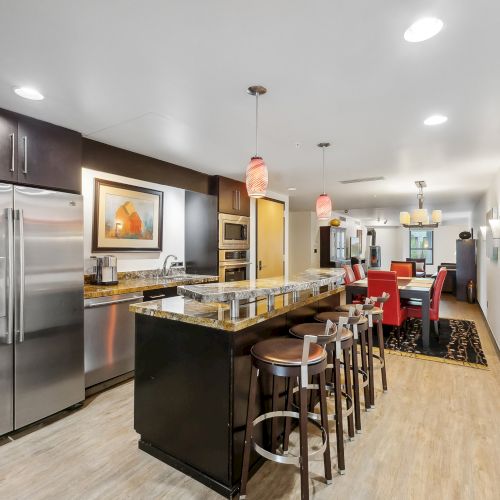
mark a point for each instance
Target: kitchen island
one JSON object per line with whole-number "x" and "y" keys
{"x": 193, "y": 369}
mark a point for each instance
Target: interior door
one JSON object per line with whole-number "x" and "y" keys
{"x": 6, "y": 311}
{"x": 49, "y": 373}
{"x": 270, "y": 238}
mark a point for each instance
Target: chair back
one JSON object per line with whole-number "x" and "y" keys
{"x": 380, "y": 282}
{"x": 436, "y": 293}
{"x": 419, "y": 266}
{"x": 404, "y": 269}
{"x": 359, "y": 272}
{"x": 349, "y": 275}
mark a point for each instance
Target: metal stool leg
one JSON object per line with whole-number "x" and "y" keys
{"x": 248, "y": 432}
{"x": 339, "y": 422}
{"x": 304, "y": 459}
{"x": 324, "y": 423}
{"x": 288, "y": 420}
{"x": 348, "y": 390}
{"x": 370, "y": 367}
{"x": 355, "y": 386}
{"x": 274, "y": 423}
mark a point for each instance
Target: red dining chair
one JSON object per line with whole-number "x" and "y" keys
{"x": 349, "y": 278}
{"x": 403, "y": 269}
{"x": 415, "y": 311}
{"x": 386, "y": 281}
{"x": 359, "y": 272}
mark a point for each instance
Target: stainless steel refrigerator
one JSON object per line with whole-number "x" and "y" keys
{"x": 41, "y": 304}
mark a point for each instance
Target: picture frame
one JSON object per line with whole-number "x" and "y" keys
{"x": 126, "y": 218}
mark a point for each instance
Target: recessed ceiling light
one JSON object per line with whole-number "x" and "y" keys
{"x": 29, "y": 93}
{"x": 423, "y": 29}
{"x": 435, "y": 120}
{"x": 292, "y": 189}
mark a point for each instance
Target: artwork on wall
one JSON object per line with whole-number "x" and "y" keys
{"x": 126, "y": 218}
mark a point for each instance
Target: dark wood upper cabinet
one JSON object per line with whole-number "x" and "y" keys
{"x": 233, "y": 197}
{"x": 8, "y": 146}
{"x": 49, "y": 156}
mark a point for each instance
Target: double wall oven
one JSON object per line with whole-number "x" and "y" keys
{"x": 234, "y": 247}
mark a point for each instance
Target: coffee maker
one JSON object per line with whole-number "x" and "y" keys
{"x": 104, "y": 270}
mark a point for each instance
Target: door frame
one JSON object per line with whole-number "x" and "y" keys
{"x": 257, "y": 232}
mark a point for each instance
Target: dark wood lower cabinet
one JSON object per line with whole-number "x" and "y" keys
{"x": 191, "y": 392}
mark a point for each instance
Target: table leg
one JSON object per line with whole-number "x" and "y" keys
{"x": 425, "y": 321}
{"x": 348, "y": 295}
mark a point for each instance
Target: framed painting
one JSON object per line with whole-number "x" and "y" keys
{"x": 126, "y": 218}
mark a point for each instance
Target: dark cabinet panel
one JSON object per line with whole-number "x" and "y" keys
{"x": 201, "y": 237}
{"x": 466, "y": 266}
{"x": 233, "y": 197}
{"x": 8, "y": 146}
{"x": 49, "y": 156}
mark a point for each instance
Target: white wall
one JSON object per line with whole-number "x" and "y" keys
{"x": 173, "y": 223}
{"x": 305, "y": 238}
{"x": 253, "y": 231}
{"x": 488, "y": 271}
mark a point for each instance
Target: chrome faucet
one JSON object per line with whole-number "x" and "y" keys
{"x": 167, "y": 271}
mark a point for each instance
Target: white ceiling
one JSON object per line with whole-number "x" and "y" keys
{"x": 168, "y": 79}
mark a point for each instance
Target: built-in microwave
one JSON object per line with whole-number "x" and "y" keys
{"x": 234, "y": 232}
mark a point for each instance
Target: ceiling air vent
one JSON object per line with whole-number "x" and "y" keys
{"x": 363, "y": 179}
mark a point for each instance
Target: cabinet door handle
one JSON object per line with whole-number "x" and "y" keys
{"x": 235, "y": 201}
{"x": 162, "y": 296}
{"x": 260, "y": 265}
{"x": 12, "y": 152}
{"x": 238, "y": 197}
{"x": 25, "y": 148}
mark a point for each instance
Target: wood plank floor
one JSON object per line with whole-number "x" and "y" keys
{"x": 434, "y": 435}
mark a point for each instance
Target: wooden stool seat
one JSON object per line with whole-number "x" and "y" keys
{"x": 376, "y": 311}
{"x": 318, "y": 330}
{"x": 334, "y": 317}
{"x": 286, "y": 352}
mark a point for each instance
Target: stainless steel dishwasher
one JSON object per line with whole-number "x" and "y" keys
{"x": 109, "y": 331}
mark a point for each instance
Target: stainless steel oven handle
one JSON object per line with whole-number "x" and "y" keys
{"x": 20, "y": 217}
{"x": 234, "y": 264}
{"x": 112, "y": 302}
{"x": 10, "y": 243}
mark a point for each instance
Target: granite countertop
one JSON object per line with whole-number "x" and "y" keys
{"x": 139, "y": 284}
{"x": 252, "y": 289}
{"x": 217, "y": 315}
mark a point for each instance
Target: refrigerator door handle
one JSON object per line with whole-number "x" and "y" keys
{"x": 10, "y": 243}
{"x": 12, "y": 152}
{"x": 20, "y": 217}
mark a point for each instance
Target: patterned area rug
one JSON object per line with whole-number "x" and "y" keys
{"x": 458, "y": 343}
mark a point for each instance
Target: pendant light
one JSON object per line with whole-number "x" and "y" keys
{"x": 323, "y": 203}
{"x": 256, "y": 175}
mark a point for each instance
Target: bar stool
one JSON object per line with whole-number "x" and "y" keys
{"x": 335, "y": 341}
{"x": 357, "y": 322}
{"x": 292, "y": 359}
{"x": 374, "y": 314}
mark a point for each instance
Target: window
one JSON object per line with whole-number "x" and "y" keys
{"x": 422, "y": 245}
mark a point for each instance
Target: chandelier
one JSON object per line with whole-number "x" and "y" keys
{"x": 419, "y": 217}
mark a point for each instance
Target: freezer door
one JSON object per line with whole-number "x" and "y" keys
{"x": 49, "y": 372}
{"x": 6, "y": 310}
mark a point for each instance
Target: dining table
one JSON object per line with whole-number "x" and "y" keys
{"x": 409, "y": 288}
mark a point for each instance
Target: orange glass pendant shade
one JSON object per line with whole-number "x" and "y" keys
{"x": 256, "y": 178}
